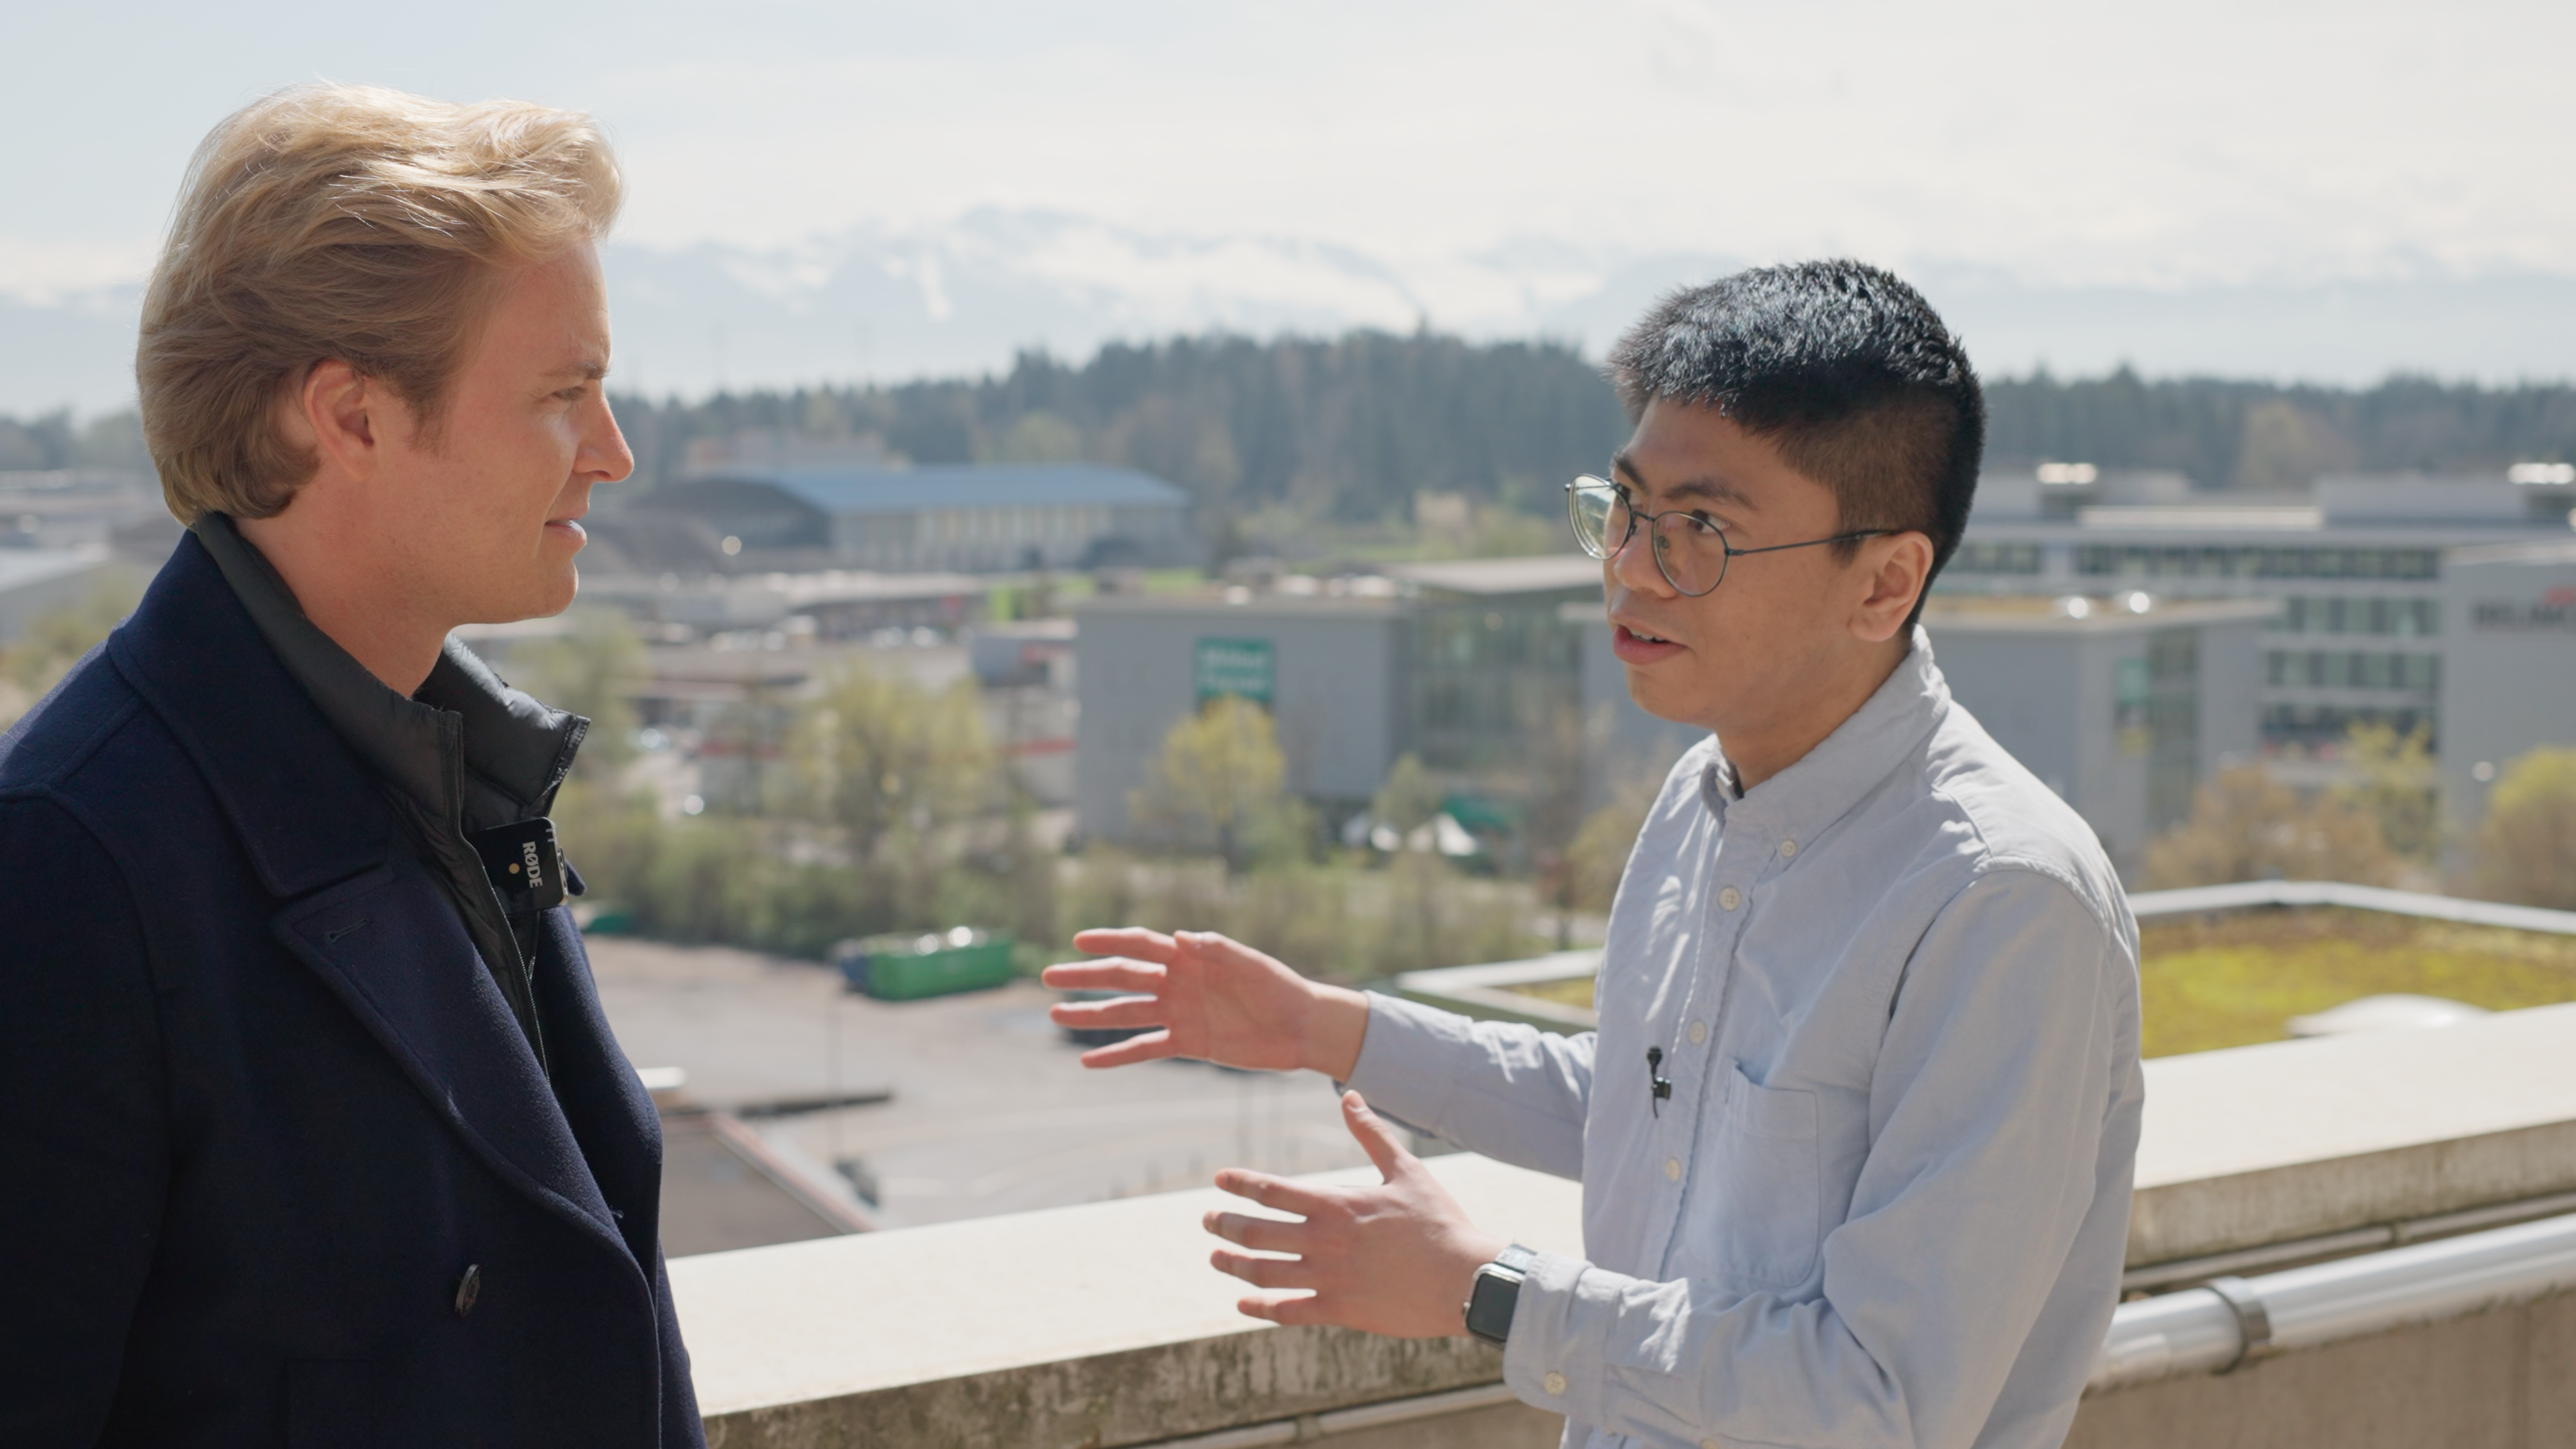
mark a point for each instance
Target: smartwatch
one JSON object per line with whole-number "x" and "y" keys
{"x": 1497, "y": 1293}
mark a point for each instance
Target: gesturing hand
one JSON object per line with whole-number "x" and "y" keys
{"x": 1397, "y": 1257}
{"x": 1214, "y": 999}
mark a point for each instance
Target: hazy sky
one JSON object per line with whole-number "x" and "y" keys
{"x": 2186, "y": 144}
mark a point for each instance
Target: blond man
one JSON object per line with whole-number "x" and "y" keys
{"x": 316, "y": 1132}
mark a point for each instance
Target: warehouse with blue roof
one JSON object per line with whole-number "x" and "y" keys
{"x": 970, "y": 518}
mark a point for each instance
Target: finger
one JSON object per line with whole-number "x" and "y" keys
{"x": 1262, "y": 1235}
{"x": 1152, "y": 1046}
{"x": 1272, "y": 1192}
{"x": 1124, "y": 941}
{"x": 1113, "y": 973}
{"x": 1139, "y": 1011}
{"x": 1376, "y": 1137}
{"x": 1287, "y": 1310}
{"x": 1263, "y": 1272}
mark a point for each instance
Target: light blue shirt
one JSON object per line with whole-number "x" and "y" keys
{"x": 1895, "y": 992}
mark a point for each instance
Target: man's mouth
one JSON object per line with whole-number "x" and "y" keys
{"x": 1642, "y": 634}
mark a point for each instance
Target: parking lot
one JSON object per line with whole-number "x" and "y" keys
{"x": 991, "y": 1110}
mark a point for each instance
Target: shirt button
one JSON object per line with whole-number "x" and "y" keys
{"x": 1673, "y": 1169}
{"x": 469, "y": 1288}
{"x": 1730, "y": 898}
{"x": 1698, "y": 1032}
{"x": 1556, "y": 1384}
{"x": 1787, "y": 848}
{"x": 1710, "y": 1444}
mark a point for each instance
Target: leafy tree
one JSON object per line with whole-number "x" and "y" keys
{"x": 2396, "y": 786}
{"x": 891, "y": 764}
{"x": 1220, "y": 783}
{"x": 2245, "y": 825}
{"x": 2526, "y": 847}
{"x": 1599, "y": 854}
{"x": 1408, "y": 799}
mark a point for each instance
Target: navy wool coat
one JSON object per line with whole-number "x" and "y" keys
{"x": 277, "y": 1166}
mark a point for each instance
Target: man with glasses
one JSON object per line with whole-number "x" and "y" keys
{"x": 1856, "y": 1132}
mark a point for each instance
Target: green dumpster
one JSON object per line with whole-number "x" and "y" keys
{"x": 907, "y": 968}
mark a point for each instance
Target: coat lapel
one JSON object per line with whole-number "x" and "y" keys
{"x": 389, "y": 945}
{"x": 358, "y": 908}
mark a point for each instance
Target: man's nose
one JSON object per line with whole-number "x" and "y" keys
{"x": 1634, "y": 565}
{"x": 610, "y": 459}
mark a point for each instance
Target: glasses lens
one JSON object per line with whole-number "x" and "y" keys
{"x": 1691, "y": 554}
{"x": 1591, "y": 504}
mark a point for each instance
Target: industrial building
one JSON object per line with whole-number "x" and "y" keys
{"x": 2371, "y": 624}
{"x": 1473, "y": 666}
{"x": 962, "y": 517}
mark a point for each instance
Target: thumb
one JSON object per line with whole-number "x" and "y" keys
{"x": 1376, "y": 1137}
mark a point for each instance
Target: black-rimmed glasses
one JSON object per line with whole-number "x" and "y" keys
{"x": 1691, "y": 552}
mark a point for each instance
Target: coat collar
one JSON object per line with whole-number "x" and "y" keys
{"x": 303, "y": 804}
{"x": 466, "y": 748}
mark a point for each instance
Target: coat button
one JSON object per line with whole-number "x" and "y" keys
{"x": 469, "y": 1288}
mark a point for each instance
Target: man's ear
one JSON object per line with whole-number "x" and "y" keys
{"x": 1894, "y": 569}
{"x": 339, "y": 413}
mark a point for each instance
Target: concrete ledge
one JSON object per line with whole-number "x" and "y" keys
{"x": 2297, "y": 1139}
{"x": 1100, "y": 1326}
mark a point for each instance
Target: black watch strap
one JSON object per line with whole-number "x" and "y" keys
{"x": 1497, "y": 1294}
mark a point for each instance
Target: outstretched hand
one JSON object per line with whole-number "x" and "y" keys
{"x": 1211, "y": 998}
{"x": 1396, "y": 1257}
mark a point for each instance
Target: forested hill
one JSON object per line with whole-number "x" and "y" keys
{"x": 1351, "y": 429}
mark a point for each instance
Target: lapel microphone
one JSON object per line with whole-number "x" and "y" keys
{"x": 1658, "y": 1086}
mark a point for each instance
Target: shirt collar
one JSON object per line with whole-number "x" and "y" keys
{"x": 1823, "y": 786}
{"x": 466, "y": 748}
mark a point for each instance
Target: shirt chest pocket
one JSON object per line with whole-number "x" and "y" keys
{"x": 1755, "y": 1214}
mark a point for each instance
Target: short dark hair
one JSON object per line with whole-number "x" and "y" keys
{"x": 1845, "y": 369}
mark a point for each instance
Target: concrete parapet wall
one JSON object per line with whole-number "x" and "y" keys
{"x": 1098, "y": 1326}
{"x": 1103, "y": 1327}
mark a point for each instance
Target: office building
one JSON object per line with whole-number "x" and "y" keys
{"x": 2369, "y": 623}
{"x": 2509, "y": 673}
{"x": 2123, "y": 705}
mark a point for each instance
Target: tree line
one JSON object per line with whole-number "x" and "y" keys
{"x": 1349, "y": 430}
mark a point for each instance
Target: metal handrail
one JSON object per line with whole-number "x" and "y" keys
{"x": 2201, "y": 1330}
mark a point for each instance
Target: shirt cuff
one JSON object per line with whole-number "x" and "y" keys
{"x": 1543, "y": 1362}
{"x": 1408, "y": 1060}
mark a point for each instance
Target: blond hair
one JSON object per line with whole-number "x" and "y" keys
{"x": 345, "y": 222}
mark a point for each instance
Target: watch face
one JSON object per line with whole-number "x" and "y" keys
{"x": 1490, "y": 1305}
